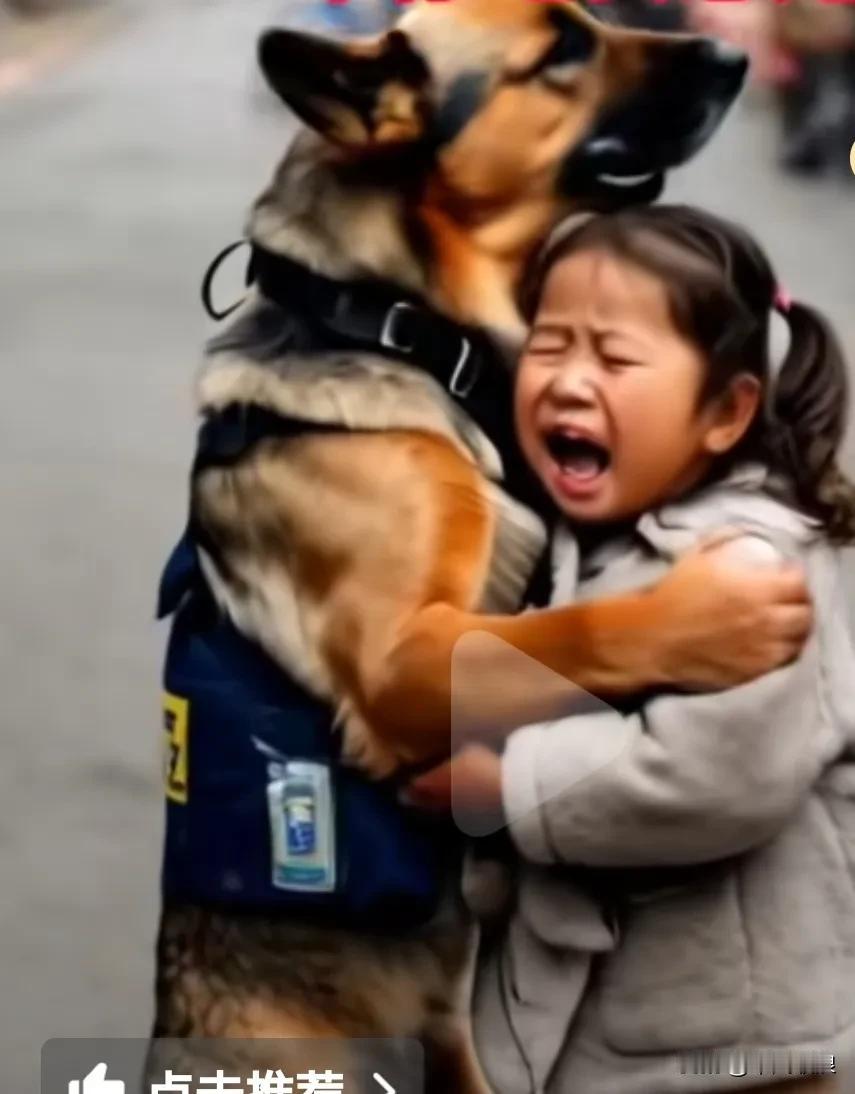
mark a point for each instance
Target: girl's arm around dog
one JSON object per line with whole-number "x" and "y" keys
{"x": 686, "y": 779}
{"x": 707, "y": 625}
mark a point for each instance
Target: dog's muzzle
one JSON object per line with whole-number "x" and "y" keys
{"x": 689, "y": 88}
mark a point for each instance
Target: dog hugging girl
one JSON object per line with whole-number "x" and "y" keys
{"x": 683, "y": 897}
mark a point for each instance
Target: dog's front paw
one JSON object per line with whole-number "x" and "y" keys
{"x": 361, "y": 748}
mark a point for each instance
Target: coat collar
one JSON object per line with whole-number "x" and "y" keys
{"x": 750, "y": 497}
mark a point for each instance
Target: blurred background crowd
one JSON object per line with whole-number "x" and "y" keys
{"x": 134, "y": 134}
{"x": 803, "y": 54}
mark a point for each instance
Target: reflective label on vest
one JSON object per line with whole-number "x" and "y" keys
{"x": 302, "y": 824}
{"x": 176, "y": 743}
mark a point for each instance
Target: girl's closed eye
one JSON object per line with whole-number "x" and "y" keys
{"x": 616, "y": 360}
{"x": 545, "y": 341}
{"x": 620, "y": 355}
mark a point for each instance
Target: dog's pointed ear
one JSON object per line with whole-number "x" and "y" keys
{"x": 360, "y": 95}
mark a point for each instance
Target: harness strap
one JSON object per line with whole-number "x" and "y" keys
{"x": 225, "y": 437}
{"x": 380, "y": 316}
{"x": 367, "y": 314}
{"x": 222, "y": 440}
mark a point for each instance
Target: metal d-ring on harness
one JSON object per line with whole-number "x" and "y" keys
{"x": 459, "y": 384}
{"x": 211, "y": 273}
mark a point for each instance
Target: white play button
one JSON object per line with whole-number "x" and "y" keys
{"x": 387, "y": 1088}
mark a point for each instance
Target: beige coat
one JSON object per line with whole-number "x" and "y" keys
{"x": 686, "y": 871}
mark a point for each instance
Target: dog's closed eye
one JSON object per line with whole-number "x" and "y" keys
{"x": 571, "y": 49}
{"x": 562, "y": 77}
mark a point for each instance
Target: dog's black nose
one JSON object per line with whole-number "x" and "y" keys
{"x": 722, "y": 55}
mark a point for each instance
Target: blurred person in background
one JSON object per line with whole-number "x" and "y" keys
{"x": 804, "y": 50}
{"x": 817, "y": 93}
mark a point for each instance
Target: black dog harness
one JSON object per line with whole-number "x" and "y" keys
{"x": 319, "y": 314}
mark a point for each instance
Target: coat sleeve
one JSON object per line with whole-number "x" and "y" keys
{"x": 687, "y": 779}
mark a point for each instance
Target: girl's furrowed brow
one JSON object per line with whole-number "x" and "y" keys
{"x": 551, "y": 327}
{"x": 629, "y": 335}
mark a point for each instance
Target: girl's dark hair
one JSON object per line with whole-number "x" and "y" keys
{"x": 722, "y": 292}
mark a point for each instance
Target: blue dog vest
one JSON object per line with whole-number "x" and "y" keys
{"x": 261, "y": 813}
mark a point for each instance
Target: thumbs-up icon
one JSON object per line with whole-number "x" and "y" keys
{"x": 96, "y": 1082}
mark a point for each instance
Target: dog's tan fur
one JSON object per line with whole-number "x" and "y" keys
{"x": 405, "y": 442}
{"x": 359, "y": 559}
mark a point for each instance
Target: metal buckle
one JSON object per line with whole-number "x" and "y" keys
{"x": 461, "y": 383}
{"x": 457, "y": 385}
{"x": 387, "y": 333}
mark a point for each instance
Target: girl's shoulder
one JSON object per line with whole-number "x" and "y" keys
{"x": 749, "y": 500}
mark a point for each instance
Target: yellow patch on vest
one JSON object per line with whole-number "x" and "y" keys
{"x": 176, "y": 725}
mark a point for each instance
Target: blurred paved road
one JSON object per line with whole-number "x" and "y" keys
{"x": 124, "y": 168}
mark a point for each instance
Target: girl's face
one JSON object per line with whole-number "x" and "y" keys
{"x": 607, "y": 393}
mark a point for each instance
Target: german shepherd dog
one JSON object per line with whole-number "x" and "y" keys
{"x": 434, "y": 158}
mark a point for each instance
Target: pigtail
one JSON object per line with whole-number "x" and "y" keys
{"x": 807, "y": 421}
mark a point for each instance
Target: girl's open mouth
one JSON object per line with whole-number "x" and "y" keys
{"x": 580, "y": 462}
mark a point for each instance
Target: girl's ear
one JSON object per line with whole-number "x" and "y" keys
{"x": 731, "y": 414}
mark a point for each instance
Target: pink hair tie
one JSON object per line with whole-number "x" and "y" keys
{"x": 782, "y": 301}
